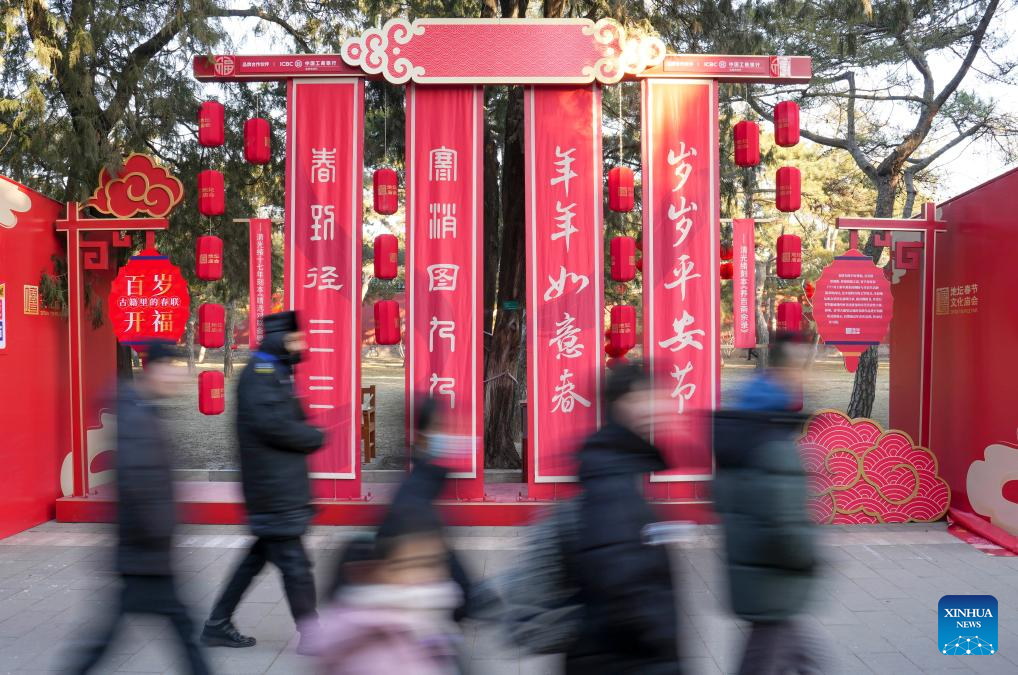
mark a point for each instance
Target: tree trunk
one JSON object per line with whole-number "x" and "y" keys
{"x": 491, "y": 229}
{"x": 124, "y": 366}
{"x": 502, "y": 363}
{"x": 231, "y": 313}
{"x": 763, "y": 333}
{"x": 189, "y": 338}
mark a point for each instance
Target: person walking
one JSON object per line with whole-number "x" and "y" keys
{"x": 146, "y": 512}
{"x": 275, "y": 440}
{"x": 760, "y": 493}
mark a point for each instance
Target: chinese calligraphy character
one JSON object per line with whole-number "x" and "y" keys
{"x": 558, "y": 286}
{"x": 442, "y": 221}
{"x": 682, "y": 168}
{"x": 565, "y": 397}
{"x": 446, "y": 330}
{"x": 134, "y": 321}
{"x": 683, "y": 273}
{"x": 162, "y": 282}
{"x": 564, "y": 166}
{"x": 442, "y": 277}
{"x": 134, "y": 285}
{"x": 323, "y": 165}
{"x": 324, "y": 281}
{"x": 446, "y": 386}
{"x": 683, "y": 224}
{"x": 566, "y": 341}
{"x": 323, "y": 222}
{"x": 163, "y": 322}
{"x": 564, "y": 222}
{"x": 682, "y": 339}
{"x": 443, "y": 165}
{"x": 683, "y": 391}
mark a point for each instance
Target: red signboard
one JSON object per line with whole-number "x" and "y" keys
{"x": 736, "y": 68}
{"x": 681, "y": 249}
{"x": 852, "y": 305}
{"x": 260, "y": 277}
{"x": 565, "y": 254}
{"x": 226, "y": 67}
{"x": 149, "y": 300}
{"x": 445, "y": 229}
{"x": 744, "y": 283}
{"x": 323, "y": 266}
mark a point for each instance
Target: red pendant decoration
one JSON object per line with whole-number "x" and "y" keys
{"x": 621, "y": 193}
{"x": 623, "y": 328}
{"x": 211, "y": 198}
{"x": 148, "y": 300}
{"x": 727, "y": 270}
{"x": 386, "y": 187}
{"x": 810, "y": 289}
{"x": 209, "y": 258}
{"x": 786, "y": 123}
{"x": 387, "y": 322}
{"x": 623, "y": 258}
{"x": 211, "y": 325}
{"x": 789, "y": 256}
{"x": 211, "y": 393}
{"x": 211, "y": 127}
{"x": 386, "y": 256}
{"x": 789, "y": 182}
{"x": 747, "y": 143}
{"x": 727, "y": 252}
{"x": 257, "y": 141}
{"x": 789, "y": 317}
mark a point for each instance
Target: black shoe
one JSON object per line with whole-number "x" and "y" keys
{"x": 224, "y": 634}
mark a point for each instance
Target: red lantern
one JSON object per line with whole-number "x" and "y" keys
{"x": 789, "y": 256}
{"x": 747, "y": 143}
{"x": 639, "y": 264}
{"x": 211, "y": 200}
{"x": 209, "y": 258}
{"x": 257, "y": 141}
{"x": 211, "y": 129}
{"x": 789, "y": 317}
{"x": 211, "y": 393}
{"x": 211, "y": 325}
{"x": 623, "y": 327}
{"x": 621, "y": 193}
{"x": 613, "y": 351}
{"x": 623, "y": 256}
{"x": 810, "y": 290}
{"x": 386, "y": 185}
{"x": 386, "y": 256}
{"x": 727, "y": 270}
{"x": 789, "y": 197}
{"x": 786, "y": 123}
{"x": 387, "y": 322}
{"x": 727, "y": 252}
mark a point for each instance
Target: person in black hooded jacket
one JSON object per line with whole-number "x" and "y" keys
{"x": 629, "y": 620}
{"x": 275, "y": 440}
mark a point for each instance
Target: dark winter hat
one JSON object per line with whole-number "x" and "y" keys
{"x": 280, "y": 322}
{"x": 156, "y": 351}
{"x": 624, "y": 379}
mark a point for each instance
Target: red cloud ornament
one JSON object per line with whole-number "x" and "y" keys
{"x": 141, "y": 187}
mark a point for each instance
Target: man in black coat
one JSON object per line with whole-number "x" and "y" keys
{"x": 275, "y": 441}
{"x": 629, "y": 621}
{"x": 146, "y": 512}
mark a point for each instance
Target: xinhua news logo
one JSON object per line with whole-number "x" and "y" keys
{"x": 967, "y": 625}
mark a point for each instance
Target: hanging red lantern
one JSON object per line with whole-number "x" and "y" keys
{"x": 257, "y": 141}
{"x": 789, "y": 256}
{"x": 747, "y": 143}
{"x": 387, "y": 322}
{"x": 211, "y": 126}
{"x": 211, "y": 199}
{"x": 789, "y": 317}
{"x": 623, "y": 327}
{"x": 209, "y": 258}
{"x": 623, "y": 258}
{"x": 786, "y": 123}
{"x": 386, "y": 256}
{"x": 727, "y": 252}
{"x": 639, "y": 264}
{"x": 614, "y": 351}
{"x": 727, "y": 270}
{"x": 386, "y": 188}
{"x": 211, "y": 392}
{"x": 211, "y": 325}
{"x": 621, "y": 193}
{"x": 789, "y": 195}
{"x": 810, "y": 290}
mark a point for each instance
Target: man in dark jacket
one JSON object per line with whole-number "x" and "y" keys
{"x": 275, "y": 440}
{"x": 146, "y": 513}
{"x": 626, "y": 587}
{"x": 760, "y": 493}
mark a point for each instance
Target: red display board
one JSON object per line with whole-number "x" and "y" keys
{"x": 565, "y": 254}
{"x": 744, "y": 283}
{"x": 149, "y": 300}
{"x": 681, "y": 249}
{"x": 852, "y": 306}
{"x": 323, "y": 267}
{"x": 445, "y": 232}
{"x": 260, "y": 277}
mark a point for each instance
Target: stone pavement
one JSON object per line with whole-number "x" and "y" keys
{"x": 876, "y": 606}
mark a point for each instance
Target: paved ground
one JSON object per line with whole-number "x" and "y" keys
{"x": 877, "y": 605}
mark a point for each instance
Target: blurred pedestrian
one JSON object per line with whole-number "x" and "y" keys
{"x": 760, "y": 492}
{"x": 146, "y": 512}
{"x": 275, "y": 440}
{"x": 629, "y": 622}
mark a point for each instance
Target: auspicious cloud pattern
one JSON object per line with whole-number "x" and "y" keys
{"x": 12, "y": 202}
{"x": 985, "y": 483}
{"x": 142, "y": 187}
{"x": 861, "y": 474}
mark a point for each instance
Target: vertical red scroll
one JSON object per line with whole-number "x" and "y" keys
{"x": 445, "y": 231}
{"x": 681, "y": 288}
{"x": 260, "y": 278}
{"x": 323, "y": 266}
{"x": 565, "y": 256}
{"x": 744, "y": 283}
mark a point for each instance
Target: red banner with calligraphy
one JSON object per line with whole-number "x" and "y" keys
{"x": 445, "y": 231}
{"x": 323, "y": 266}
{"x": 681, "y": 286}
{"x": 565, "y": 257}
{"x": 744, "y": 283}
{"x": 149, "y": 300}
{"x": 260, "y": 277}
